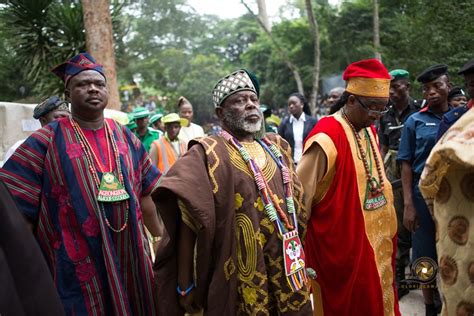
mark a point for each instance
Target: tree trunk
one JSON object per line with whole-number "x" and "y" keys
{"x": 314, "y": 27}
{"x": 100, "y": 43}
{"x": 282, "y": 51}
{"x": 262, "y": 14}
{"x": 377, "y": 31}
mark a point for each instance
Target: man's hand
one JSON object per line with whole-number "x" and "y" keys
{"x": 187, "y": 302}
{"x": 410, "y": 218}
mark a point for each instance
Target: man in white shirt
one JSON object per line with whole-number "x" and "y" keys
{"x": 191, "y": 131}
{"x": 295, "y": 128}
{"x": 298, "y": 127}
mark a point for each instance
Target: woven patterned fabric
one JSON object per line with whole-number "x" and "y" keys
{"x": 230, "y": 84}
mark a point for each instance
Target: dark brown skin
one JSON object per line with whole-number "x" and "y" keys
{"x": 469, "y": 83}
{"x": 142, "y": 125}
{"x": 246, "y": 104}
{"x": 52, "y": 116}
{"x": 410, "y": 218}
{"x": 186, "y": 111}
{"x": 159, "y": 126}
{"x": 399, "y": 96}
{"x": 88, "y": 94}
{"x": 295, "y": 106}
{"x": 172, "y": 130}
{"x": 187, "y": 239}
{"x": 358, "y": 115}
{"x": 399, "y": 93}
{"x": 436, "y": 93}
{"x": 334, "y": 96}
{"x": 458, "y": 101}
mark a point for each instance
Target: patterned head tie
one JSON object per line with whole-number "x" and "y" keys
{"x": 76, "y": 65}
{"x": 240, "y": 80}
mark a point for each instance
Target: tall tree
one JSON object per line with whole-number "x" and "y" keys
{"x": 263, "y": 15}
{"x": 284, "y": 54}
{"x": 314, "y": 27}
{"x": 100, "y": 43}
{"x": 376, "y": 30}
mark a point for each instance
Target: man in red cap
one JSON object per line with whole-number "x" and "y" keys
{"x": 352, "y": 225}
{"x": 84, "y": 183}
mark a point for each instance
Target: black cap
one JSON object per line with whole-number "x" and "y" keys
{"x": 50, "y": 104}
{"x": 432, "y": 72}
{"x": 455, "y": 92}
{"x": 468, "y": 68}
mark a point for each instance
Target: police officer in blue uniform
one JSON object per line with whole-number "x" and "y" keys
{"x": 452, "y": 116}
{"x": 418, "y": 138}
{"x": 456, "y": 98}
{"x": 389, "y": 132}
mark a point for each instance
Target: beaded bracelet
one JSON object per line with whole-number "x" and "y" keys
{"x": 185, "y": 292}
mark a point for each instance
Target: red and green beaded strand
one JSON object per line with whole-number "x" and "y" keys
{"x": 370, "y": 179}
{"x": 271, "y": 206}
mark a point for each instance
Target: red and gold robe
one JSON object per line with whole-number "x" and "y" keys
{"x": 352, "y": 250}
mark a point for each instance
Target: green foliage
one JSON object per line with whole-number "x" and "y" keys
{"x": 42, "y": 34}
{"x": 198, "y": 83}
{"x": 176, "y": 51}
{"x": 422, "y": 33}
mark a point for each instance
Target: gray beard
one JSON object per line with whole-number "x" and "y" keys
{"x": 238, "y": 124}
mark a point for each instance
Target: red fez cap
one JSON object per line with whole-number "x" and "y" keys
{"x": 367, "y": 77}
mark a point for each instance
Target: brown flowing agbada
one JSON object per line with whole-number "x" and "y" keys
{"x": 239, "y": 256}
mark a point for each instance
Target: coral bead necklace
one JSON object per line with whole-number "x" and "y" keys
{"x": 110, "y": 189}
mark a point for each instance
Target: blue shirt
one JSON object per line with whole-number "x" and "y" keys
{"x": 451, "y": 117}
{"x": 418, "y": 138}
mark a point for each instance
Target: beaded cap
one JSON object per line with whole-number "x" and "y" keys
{"x": 240, "y": 80}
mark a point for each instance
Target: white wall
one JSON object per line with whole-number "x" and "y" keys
{"x": 16, "y": 122}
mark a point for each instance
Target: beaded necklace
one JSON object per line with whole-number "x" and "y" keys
{"x": 271, "y": 205}
{"x": 374, "y": 186}
{"x": 91, "y": 158}
{"x": 293, "y": 253}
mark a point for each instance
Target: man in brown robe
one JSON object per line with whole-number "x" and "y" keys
{"x": 26, "y": 286}
{"x": 221, "y": 253}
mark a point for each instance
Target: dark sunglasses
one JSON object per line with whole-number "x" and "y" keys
{"x": 372, "y": 112}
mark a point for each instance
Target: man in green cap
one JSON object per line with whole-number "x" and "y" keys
{"x": 144, "y": 133}
{"x": 391, "y": 125}
{"x": 156, "y": 123}
{"x": 132, "y": 125}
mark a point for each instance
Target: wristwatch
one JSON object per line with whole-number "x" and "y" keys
{"x": 155, "y": 239}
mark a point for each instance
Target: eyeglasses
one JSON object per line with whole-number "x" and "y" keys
{"x": 369, "y": 111}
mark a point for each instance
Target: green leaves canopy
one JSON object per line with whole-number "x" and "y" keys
{"x": 176, "y": 51}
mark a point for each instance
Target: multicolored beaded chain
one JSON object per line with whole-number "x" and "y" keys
{"x": 91, "y": 158}
{"x": 271, "y": 204}
{"x": 372, "y": 182}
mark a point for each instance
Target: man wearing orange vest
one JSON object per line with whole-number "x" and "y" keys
{"x": 165, "y": 151}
